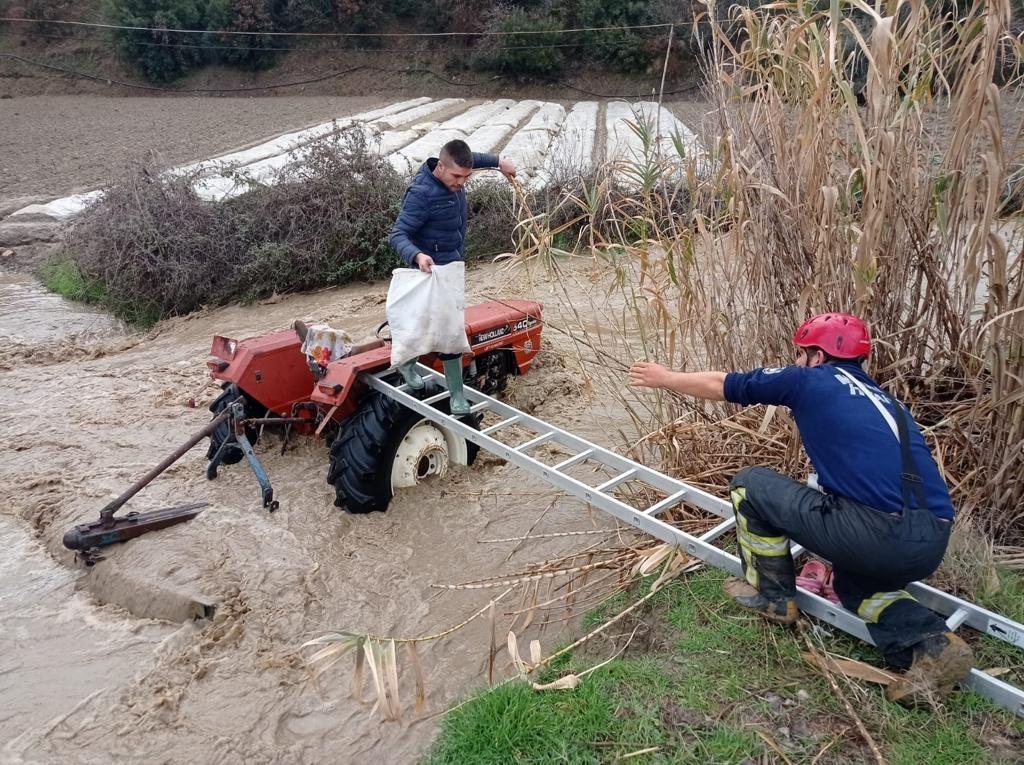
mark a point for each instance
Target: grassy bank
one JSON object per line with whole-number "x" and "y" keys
{"x": 702, "y": 682}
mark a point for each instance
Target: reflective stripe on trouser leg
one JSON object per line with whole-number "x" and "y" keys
{"x": 758, "y": 550}
{"x": 746, "y": 558}
{"x": 871, "y": 608}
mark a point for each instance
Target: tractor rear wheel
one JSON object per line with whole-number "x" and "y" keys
{"x": 232, "y": 452}
{"x": 384, "y": 446}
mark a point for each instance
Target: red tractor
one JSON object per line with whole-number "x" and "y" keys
{"x": 378, "y": 446}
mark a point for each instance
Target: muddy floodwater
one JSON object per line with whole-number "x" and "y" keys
{"x": 29, "y": 314}
{"x": 107, "y": 664}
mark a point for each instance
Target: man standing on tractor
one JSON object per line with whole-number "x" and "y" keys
{"x": 431, "y": 230}
{"x": 882, "y": 513}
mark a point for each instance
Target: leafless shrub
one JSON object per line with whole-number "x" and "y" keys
{"x": 160, "y": 250}
{"x": 152, "y": 248}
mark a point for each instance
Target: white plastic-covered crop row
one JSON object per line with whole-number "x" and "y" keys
{"x": 542, "y": 138}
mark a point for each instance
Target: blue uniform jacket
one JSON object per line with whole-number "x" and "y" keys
{"x": 850, "y": 445}
{"x": 433, "y": 219}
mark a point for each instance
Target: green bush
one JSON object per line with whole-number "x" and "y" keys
{"x": 517, "y": 56}
{"x": 306, "y": 15}
{"x": 46, "y": 10}
{"x": 161, "y": 55}
{"x": 628, "y": 50}
{"x": 242, "y": 16}
{"x": 341, "y": 15}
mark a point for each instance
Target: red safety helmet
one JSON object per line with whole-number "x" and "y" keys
{"x": 838, "y": 334}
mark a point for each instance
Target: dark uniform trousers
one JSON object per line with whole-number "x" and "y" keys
{"x": 874, "y": 555}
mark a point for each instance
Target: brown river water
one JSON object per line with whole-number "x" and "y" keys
{"x": 106, "y": 665}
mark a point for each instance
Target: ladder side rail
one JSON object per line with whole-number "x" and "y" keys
{"x": 697, "y": 497}
{"x": 978, "y": 617}
{"x": 1000, "y": 693}
{"x": 942, "y": 603}
{"x": 1007, "y": 696}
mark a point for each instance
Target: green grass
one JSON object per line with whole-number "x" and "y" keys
{"x": 61, "y": 275}
{"x": 990, "y": 652}
{"x": 712, "y": 685}
{"x": 1008, "y": 600}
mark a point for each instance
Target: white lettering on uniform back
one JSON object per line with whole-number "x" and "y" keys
{"x": 855, "y": 391}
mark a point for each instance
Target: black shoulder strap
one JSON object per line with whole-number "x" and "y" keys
{"x": 911, "y": 482}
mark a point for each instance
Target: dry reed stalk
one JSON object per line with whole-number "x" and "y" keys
{"x": 861, "y": 165}
{"x": 378, "y": 653}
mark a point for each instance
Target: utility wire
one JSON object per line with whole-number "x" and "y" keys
{"x": 332, "y": 75}
{"x": 315, "y": 49}
{"x": 339, "y": 34}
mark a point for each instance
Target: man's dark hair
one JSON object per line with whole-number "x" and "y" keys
{"x": 457, "y": 153}
{"x": 829, "y": 358}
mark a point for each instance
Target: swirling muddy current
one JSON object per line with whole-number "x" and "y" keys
{"x": 105, "y": 664}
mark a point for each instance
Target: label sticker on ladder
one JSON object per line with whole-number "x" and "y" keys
{"x": 1005, "y": 633}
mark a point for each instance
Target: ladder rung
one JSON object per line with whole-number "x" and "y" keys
{"x": 482, "y": 406}
{"x": 431, "y": 400}
{"x": 576, "y": 459}
{"x": 669, "y": 501}
{"x": 725, "y": 526}
{"x": 500, "y": 425}
{"x": 524, "y": 447}
{"x": 957, "y": 618}
{"x": 616, "y": 480}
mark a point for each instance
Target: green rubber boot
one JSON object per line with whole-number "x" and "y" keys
{"x": 456, "y": 397}
{"x": 410, "y": 375}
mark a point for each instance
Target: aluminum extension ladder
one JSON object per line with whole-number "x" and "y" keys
{"x": 957, "y": 611}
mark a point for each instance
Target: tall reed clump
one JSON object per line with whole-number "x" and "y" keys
{"x": 862, "y": 164}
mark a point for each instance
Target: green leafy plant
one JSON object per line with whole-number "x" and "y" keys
{"x": 161, "y": 55}
{"x": 519, "y": 56}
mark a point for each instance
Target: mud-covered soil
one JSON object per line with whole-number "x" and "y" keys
{"x": 84, "y": 416}
{"x": 54, "y": 145}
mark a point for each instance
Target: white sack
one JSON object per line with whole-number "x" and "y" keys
{"x": 426, "y": 311}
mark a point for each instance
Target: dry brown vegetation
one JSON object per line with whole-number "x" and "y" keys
{"x": 813, "y": 201}
{"x": 151, "y": 247}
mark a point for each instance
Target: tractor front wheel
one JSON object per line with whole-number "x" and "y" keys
{"x": 384, "y": 446}
{"x": 232, "y": 452}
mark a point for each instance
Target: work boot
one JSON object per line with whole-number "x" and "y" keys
{"x": 456, "y": 395}
{"x": 781, "y": 611}
{"x": 411, "y": 376}
{"x": 300, "y": 329}
{"x": 940, "y": 662}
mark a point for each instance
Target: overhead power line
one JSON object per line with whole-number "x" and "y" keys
{"x": 282, "y": 85}
{"x": 321, "y": 49}
{"x": 338, "y": 34}
{"x": 275, "y": 86}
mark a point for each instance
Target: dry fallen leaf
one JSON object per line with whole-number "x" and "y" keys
{"x": 996, "y": 671}
{"x": 851, "y": 668}
{"x": 561, "y": 684}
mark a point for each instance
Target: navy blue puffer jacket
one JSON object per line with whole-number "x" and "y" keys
{"x": 433, "y": 219}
